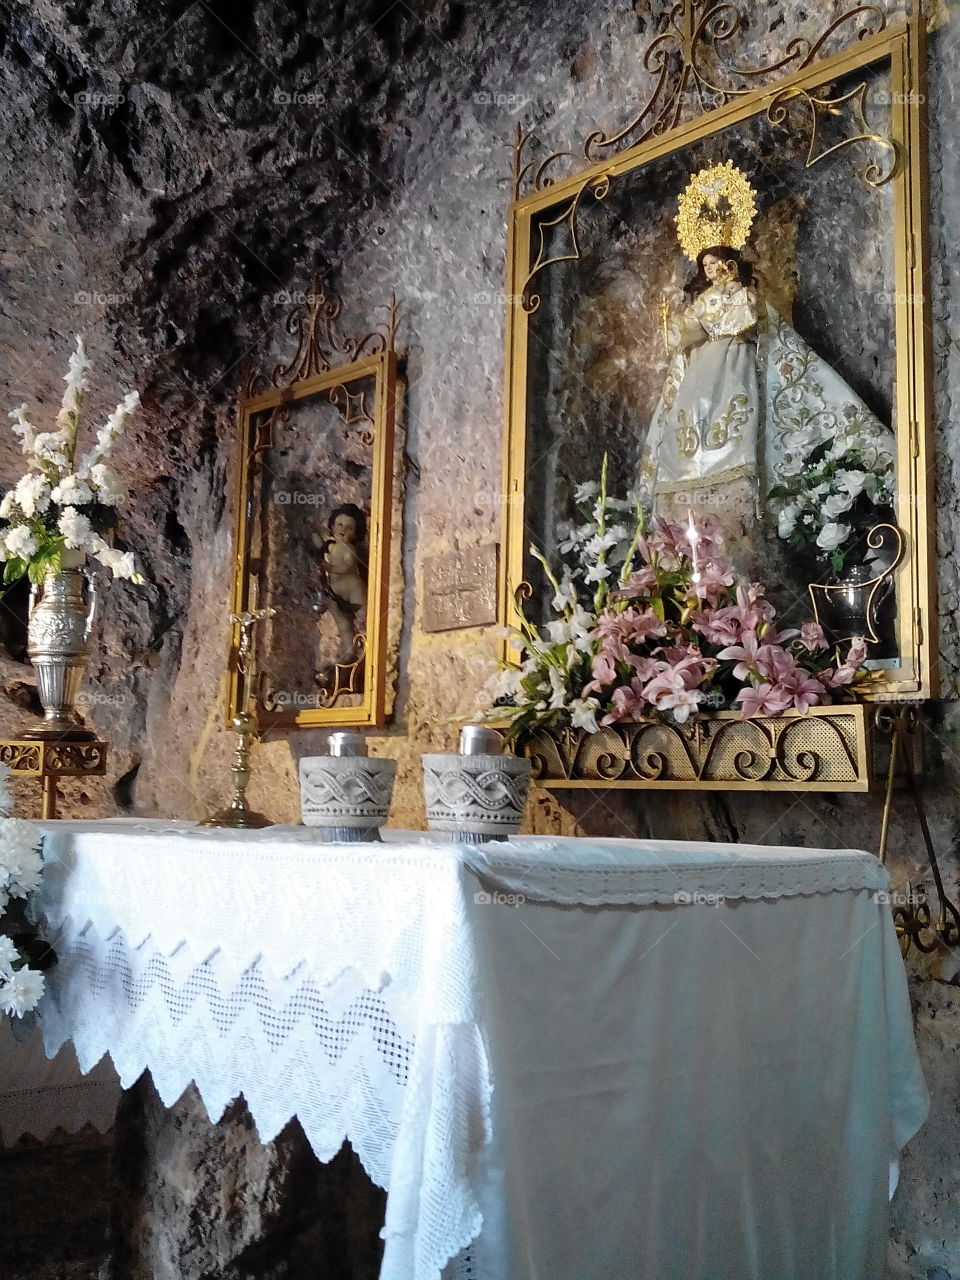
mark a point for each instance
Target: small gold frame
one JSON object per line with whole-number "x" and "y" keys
{"x": 313, "y": 371}
{"x": 545, "y": 195}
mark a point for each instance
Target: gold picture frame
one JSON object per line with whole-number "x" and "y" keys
{"x": 686, "y": 62}
{"x": 314, "y": 555}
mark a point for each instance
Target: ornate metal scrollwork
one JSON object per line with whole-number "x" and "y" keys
{"x": 314, "y": 320}
{"x": 567, "y": 217}
{"x": 911, "y": 910}
{"x": 690, "y": 62}
{"x": 716, "y": 752}
{"x": 821, "y": 108}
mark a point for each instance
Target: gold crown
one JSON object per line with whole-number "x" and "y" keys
{"x": 717, "y": 208}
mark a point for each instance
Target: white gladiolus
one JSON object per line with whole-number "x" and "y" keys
{"x": 833, "y": 535}
{"x": 45, "y": 510}
{"x": 75, "y": 528}
{"x": 22, "y": 428}
{"x": 76, "y": 380}
{"x": 558, "y": 689}
{"x": 114, "y": 424}
{"x": 20, "y": 543}
{"x": 107, "y": 483}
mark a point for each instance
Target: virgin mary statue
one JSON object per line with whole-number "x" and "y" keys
{"x": 745, "y": 400}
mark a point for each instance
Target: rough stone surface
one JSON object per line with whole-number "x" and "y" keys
{"x": 169, "y": 172}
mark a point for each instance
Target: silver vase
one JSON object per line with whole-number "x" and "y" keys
{"x": 58, "y": 645}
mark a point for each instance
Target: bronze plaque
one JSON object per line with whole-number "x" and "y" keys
{"x": 460, "y": 589}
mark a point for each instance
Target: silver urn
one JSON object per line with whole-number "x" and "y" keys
{"x": 58, "y": 645}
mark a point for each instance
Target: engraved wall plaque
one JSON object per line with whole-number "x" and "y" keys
{"x": 460, "y": 589}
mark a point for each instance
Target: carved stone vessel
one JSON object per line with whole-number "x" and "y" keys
{"x": 58, "y": 645}
{"x": 347, "y": 796}
{"x": 479, "y": 795}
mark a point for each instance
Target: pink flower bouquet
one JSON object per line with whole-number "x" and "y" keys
{"x": 671, "y": 631}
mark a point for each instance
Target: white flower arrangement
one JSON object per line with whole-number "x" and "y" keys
{"x": 21, "y": 864}
{"x": 63, "y": 502}
{"x": 826, "y": 497}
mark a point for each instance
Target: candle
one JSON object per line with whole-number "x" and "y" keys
{"x": 477, "y": 740}
{"x": 693, "y": 537}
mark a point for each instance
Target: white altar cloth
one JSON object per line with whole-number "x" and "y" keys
{"x": 700, "y": 1057}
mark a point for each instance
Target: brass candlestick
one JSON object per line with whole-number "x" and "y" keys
{"x": 244, "y": 725}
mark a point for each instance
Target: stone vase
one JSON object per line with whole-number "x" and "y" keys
{"x": 348, "y": 797}
{"x": 58, "y": 645}
{"x": 476, "y": 795}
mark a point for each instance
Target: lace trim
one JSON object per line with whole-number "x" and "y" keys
{"x": 650, "y": 872}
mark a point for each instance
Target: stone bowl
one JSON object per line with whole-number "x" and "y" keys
{"x": 348, "y": 792}
{"x": 479, "y": 794}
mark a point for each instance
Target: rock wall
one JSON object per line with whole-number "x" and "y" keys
{"x": 170, "y": 175}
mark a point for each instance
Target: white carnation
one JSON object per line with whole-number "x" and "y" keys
{"x": 20, "y": 857}
{"x": 8, "y": 955}
{"x": 19, "y": 542}
{"x": 8, "y": 505}
{"x": 72, "y": 491}
{"x": 75, "y": 528}
{"x": 32, "y": 494}
{"x": 21, "y": 992}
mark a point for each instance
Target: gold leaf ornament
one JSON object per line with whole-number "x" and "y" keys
{"x": 717, "y": 208}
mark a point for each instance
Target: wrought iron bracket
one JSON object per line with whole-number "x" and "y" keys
{"x": 912, "y": 915}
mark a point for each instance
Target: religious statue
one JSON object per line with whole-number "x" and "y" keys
{"x": 746, "y": 402}
{"x": 343, "y": 589}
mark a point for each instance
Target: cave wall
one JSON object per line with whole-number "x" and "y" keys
{"x": 171, "y": 177}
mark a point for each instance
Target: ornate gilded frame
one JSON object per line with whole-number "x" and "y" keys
{"x": 339, "y": 369}
{"x": 689, "y": 59}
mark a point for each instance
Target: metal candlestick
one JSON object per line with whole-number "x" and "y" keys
{"x": 244, "y": 725}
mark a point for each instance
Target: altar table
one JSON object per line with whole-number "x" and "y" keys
{"x": 563, "y": 1059}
